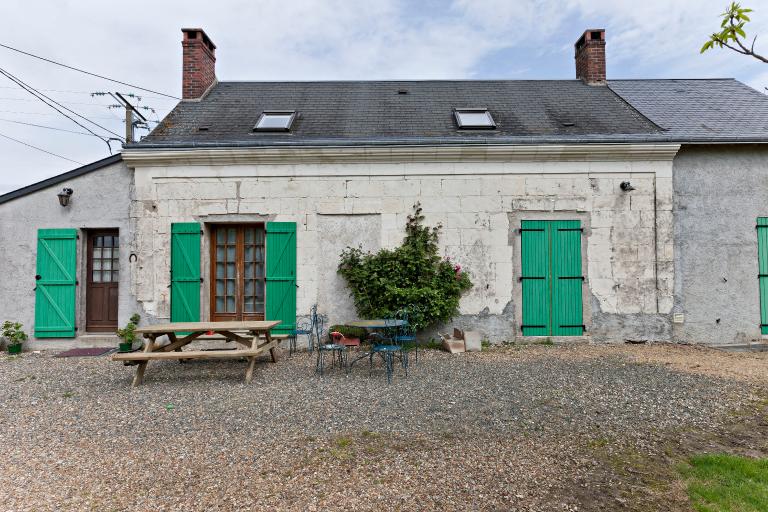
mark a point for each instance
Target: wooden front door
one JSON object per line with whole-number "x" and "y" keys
{"x": 237, "y": 270}
{"x": 103, "y": 276}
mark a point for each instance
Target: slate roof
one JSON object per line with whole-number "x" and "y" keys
{"x": 699, "y": 109}
{"x": 525, "y": 111}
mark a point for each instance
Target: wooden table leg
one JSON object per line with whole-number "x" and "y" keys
{"x": 149, "y": 346}
{"x": 252, "y": 360}
{"x": 272, "y": 351}
{"x": 172, "y": 338}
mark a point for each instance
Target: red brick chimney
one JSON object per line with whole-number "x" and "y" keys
{"x": 199, "y": 63}
{"x": 590, "y": 56}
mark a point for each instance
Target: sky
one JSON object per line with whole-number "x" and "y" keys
{"x": 140, "y": 43}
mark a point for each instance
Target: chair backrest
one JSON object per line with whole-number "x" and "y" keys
{"x": 377, "y": 338}
{"x": 319, "y": 327}
{"x": 336, "y": 336}
{"x": 404, "y": 315}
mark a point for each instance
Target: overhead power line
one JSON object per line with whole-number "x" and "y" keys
{"x": 47, "y": 127}
{"x": 39, "y": 149}
{"x": 42, "y": 97}
{"x": 86, "y": 72}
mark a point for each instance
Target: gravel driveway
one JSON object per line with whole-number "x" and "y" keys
{"x": 508, "y": 429}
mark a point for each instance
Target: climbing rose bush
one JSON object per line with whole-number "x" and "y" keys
{"x": 413, "y": 274}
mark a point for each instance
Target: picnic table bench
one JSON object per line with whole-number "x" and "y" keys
{"x": 255, "y": 336}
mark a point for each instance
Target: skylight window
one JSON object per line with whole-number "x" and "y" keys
{"x": 275, "y": 121}
{"x": 474, "y": 118}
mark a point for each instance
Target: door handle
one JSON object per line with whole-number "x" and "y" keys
{"x": 38, "y": 277}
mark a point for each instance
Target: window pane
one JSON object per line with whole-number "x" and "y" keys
{"x": 259, "y": 307}
{"x": 259, "y": 270}
{"x": 259, "y": 254}
{"x": 219, "y": 270}
{"x": 219, "y": 253}
{"x": 98, "y": 241}
{"x": 106, "y": 253}
{"x": 219, "y": 304}
{"x": 230, "y": 305}
{"x": 249, "y": 253}
{"x": 248, "y": 305}
{"x": 219, "y": 287}
{"x": 260, "y": 236}
{"x": 249, "y": 288}
{"x": 274, "y": 121}
{"x": 231, "y": 270}
{"x": 249, "y": 270}
{"x": 220, "y": 234}
{"x": 107, "y": 241}
{"x": 468, "y": 118}
{"x": 231, "y": 287}
{"x": 106, "y": 265}
{"x": 231, "y": 235}
{"x": 96, "y": 276}
{"x": 231, "y": 253}
{"x": 115, "y": 241}
{"x": 97, "y": 253}
{"x": 96, "y": 264}
{"x": 249, "y": 236}
{"x": 260, "y": 289}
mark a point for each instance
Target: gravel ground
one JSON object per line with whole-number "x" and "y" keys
{"x": 507, "y": 429}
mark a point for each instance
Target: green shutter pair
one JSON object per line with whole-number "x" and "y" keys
{"x": 280, "y": 274}
{"x": 762, "y": 271}
{"x": 551, "y": 278}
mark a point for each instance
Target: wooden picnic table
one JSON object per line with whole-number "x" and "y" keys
{"x": 253, "y": 335}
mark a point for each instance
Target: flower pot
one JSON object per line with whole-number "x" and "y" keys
{"x": 125, "y": 346}
{"x": 14, "y": 349}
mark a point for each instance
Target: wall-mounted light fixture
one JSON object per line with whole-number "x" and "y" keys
{"x": 626, "y": 186}
{"x": 64, "y": 196}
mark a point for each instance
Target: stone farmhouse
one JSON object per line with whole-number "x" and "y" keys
{"x": 585, "y": 209}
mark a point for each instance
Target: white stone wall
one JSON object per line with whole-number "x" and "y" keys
{"x": 629, "y": 236}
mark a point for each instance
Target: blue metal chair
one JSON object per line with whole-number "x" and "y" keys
{"x": 388, "y": 348}
{"x": 338, "y": 351}
{"x": 304, "y": 328}
{"x": 405, "y": 334}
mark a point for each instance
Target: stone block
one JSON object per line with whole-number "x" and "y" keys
{"x": 461, "y": 187}
{"x": 473, "y": 341}
{"x": 451, "y": 344}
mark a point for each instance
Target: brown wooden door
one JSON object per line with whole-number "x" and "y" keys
{"x": 103, "y": 276}
{"x": 237, "y": 270}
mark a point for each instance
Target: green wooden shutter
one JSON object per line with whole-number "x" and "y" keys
{"x": 535, "y": 278}
{"x": 551, "y": 278}
{"x": 281, "y": 275}
{"x": 56, "y": 281}
{"x": 185, "y": 272}
{"x": 762, "y": 272}
{"x": 565, "y": 236}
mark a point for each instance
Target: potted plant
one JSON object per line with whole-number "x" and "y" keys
{"x": 14, "y": 336}
{"x": 351, "y": 333}
{"x": 128, "y": 334}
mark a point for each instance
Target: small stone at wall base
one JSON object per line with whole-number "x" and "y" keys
{"x": 452, "y": 345}
{"x": 473, "y": 341}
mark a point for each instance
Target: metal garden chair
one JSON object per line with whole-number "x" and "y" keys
{"x": 338, "y": 351}
{"x": 388, "y": 348}
{"x": 405, "y": 334}
{"x": 304, "y": 328}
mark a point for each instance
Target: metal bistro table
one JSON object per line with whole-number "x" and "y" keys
{"x": 254, "y": 335}
{"x": 375, "y": 324}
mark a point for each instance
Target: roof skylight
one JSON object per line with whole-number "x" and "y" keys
{"x": 474, "y": 118}
{"x": 275, "y": 121}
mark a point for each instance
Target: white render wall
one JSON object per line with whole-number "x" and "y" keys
{"x": 629, "y": 247}
{"x": 101, "y": 199}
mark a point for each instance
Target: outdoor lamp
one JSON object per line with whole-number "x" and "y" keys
{"x": 64, "y": 196}
{"x": 626, "y": 186}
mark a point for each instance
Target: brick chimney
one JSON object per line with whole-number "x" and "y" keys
{"x": 199, "y": 63}
{"x": 590, "y": 57}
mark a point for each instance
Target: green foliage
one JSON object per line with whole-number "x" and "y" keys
{"x": 732, "y": 31}
{"x": 349, "y": 331}
{"x": 413, "y": 274}
{"x": 723, "y": 482}
{"x": 13, "y": 333}
{"x": 128, "y": 333}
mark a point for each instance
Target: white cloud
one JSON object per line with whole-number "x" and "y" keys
{"x": 331, "y": 39}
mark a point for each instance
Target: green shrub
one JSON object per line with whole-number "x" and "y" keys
{"x": 128, "y": 333}
{"x": 413, "y": 274}
{"x": 13, "y": 333}
{"x": 349, "y": 331}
